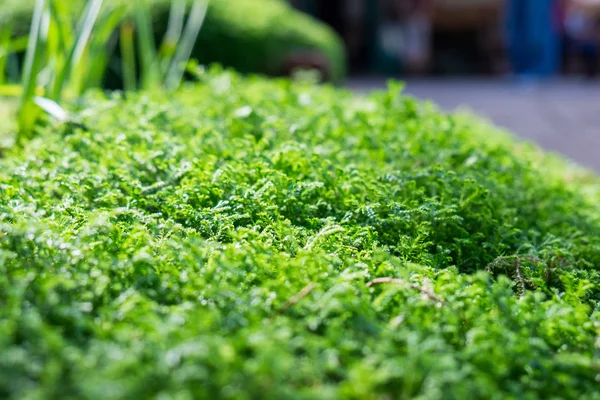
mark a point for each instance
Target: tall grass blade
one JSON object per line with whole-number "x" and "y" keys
{"x": 54, "y": 48}
{"x": 87, "y": 23}
{"x": 29, "y": 73}
{"x": 128, "y": 56}
{"x": 172, "y": 35}
{"x": 5, "y": 42}
{"x": 27, "y": 110}
{"x": 149, "y": 67}
{"x": 62, "y": 13}
{"x": 103, "y": 45}
{"x": 186, "y": 45}
{"x": 60, "y": 42}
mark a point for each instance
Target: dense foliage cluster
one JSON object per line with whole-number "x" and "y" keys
{"x": 262, "y": 239}
{"x": 253, "y": 36}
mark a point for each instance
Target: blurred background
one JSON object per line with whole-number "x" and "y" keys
{"x": 464, "y": 37}
{"x": 531, "y": 66}
{"x": 528, "y": 65}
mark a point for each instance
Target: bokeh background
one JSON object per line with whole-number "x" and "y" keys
{"x": 529, "y": 65}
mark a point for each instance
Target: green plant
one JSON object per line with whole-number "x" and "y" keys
{"x": 164, "y": 66}
{"x": 265, "y": 35}
{"x": 66, "y": 55}
{"x": 55, "y": 57}
{"x": 73, "y": 57}
{"x": 252, "y": 36}
{"x": 248, "y": 238}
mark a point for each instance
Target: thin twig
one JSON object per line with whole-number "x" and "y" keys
{"x": 520, "y": 277}
{"x": 428, "y": 293}
{"x": 515, "y": 262}
{"x": 301, "y": 294}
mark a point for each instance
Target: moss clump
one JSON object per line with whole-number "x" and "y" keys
{"x": 252, "y": 36}
{"x": 262, "y": 239}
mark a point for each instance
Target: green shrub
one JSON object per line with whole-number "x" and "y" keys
{"x": 258, "y": 36}
{"x": 262, "y": 239}
{"x": 252, "y": 36}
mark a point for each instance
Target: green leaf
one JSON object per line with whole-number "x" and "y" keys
{"x": 188, "y": 40}
{"x": 52, "y": 108}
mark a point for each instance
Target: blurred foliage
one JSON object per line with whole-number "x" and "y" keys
{"x": 253, "y": 36}
{"x": 224, "y": 242}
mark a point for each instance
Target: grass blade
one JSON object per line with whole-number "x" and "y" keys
{"x": 27, "y": 109}
{"x": 173, "y": 34}
{"x": 128, "y": 56}
{"x": 29, "y": 72}
{"x": 103, "y": 45}
{"x": 150, "y": 74}
{"x": 89, "y": 19}
{"x": 62, "y": 14}
{"x": 5, "y": 42}
{"x": 186, "y": 45}
{"x": 87, "y": 23}
{"x": 52, "y": 108}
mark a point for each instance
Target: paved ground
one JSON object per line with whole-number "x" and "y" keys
{"x": 562, "y": 116}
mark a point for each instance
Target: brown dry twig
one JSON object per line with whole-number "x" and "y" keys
{"x": 520, "y": 279}
{"x": 301, "y": 294}
{"x": 427, "y": 292}
{"x": 513, "y": 262}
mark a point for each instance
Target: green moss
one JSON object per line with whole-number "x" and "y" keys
{"x": 252, "y": 36}
{"x": 220, "y": 244}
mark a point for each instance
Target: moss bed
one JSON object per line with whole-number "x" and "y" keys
{"x": 252, "y": 238}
